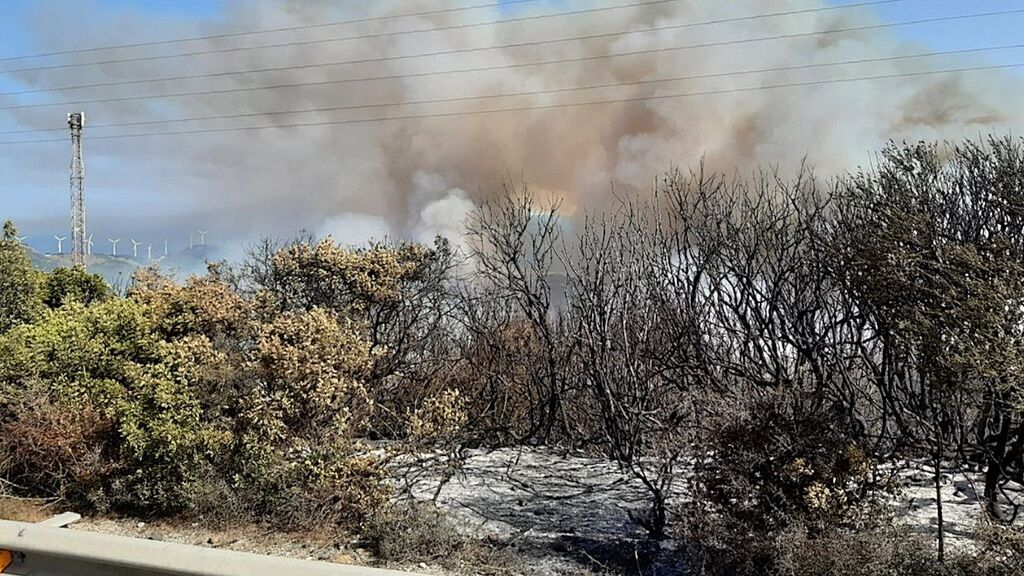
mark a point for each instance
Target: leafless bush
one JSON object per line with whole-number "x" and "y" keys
{"x": 628, "y": 359}
{"x": 513, "y": 243}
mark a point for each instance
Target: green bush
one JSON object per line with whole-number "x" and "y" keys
{"x": 73, "y": 285}
{"x": 191, "y": 398}
{"x": 295, "y": 456}
{"x": 204, "y": 306}
{"x": 19, "y": 283}
{"x": 107, "y": 356}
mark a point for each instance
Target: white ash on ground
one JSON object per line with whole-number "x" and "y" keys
{"x": 568, "y": 512}
{"x": 565, "y": 513}
{"x": 562, "y": 514}
{"x": 962, "y": 507}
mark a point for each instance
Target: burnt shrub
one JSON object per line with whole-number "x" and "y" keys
{"x": 775, "y": 469}
{"x": 57, "y": 450}
{"x": 413, "y": 533}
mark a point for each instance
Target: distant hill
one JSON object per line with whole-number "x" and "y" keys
{"x": 117, "y": 271}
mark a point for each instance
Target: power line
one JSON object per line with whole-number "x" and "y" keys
{"x": 348, "y": 38}
{"x": 547, "y": 91}
{"x": 265, "y": 31}
{"x": 329, "y": 64}
{"x": 464, "y": 50}
{"x": 517, "y": 65}
{"x": 657, "y": 97}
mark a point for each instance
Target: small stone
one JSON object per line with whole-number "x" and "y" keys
{"x": 343, "y": 558}
{"x": 140, "y": 525}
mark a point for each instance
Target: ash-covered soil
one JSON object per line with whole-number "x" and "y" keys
{"x": 561, "y": 514}
{"x": 961, "y": 506}
{"x": 565, "y": 513}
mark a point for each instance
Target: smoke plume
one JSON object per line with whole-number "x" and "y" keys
{"x": 415, "y": 178}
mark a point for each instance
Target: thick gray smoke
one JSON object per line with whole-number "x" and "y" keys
{"x": 416, "y": 178}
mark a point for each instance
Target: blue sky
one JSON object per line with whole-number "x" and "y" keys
{"x": 20, "y": 199}
{"x": 952, "y": 35}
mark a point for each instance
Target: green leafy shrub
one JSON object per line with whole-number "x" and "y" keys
{"x": 19, "y": 283}
{"x": 73, "y": 285}
{"x": 296, "y": 456}
{"x": 108, "y": 356}
{"x": 308, "y": 367}
{"x": 441, "y": 419}
{"x": 331, "y": 276}
{"x": 204, "y": 305}
{"x": 328, "y": 488}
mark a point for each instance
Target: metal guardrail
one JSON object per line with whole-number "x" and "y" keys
{"x": 46, "y": 550}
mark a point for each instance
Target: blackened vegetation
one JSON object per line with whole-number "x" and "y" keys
{"x": 773, "y": 339}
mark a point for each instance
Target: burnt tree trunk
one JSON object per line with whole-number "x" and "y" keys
{"x": 995, "y": 454}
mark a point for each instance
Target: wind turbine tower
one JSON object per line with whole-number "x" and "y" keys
{"x": 60, "y": 243}
{"x": 113, "y": 244}
{"x": 76, "y": 121}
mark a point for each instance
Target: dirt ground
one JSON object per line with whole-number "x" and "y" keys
{"x": 253, "y": 538}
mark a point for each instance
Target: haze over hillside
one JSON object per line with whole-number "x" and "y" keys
{"x": 117, "y": 270}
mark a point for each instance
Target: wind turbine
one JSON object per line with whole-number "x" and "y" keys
{"x": 202, "y": 237}
{"x": 191, "y": 242}
{"x": 60, "y": 243}
{"x": 21, "y": 239}
{"x": 135, "y": 248}
{"x": 149, "y": 252}
{"x": 88, "y": 245}
{"x": 159, "y": 260}
{"x": 165, "y": 246}
{"x": 113, "y": 243}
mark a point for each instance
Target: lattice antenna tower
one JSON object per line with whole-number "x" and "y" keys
{"x": 76, "y": 121}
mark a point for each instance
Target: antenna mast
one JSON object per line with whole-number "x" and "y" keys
{"x": 76, "y": 120}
